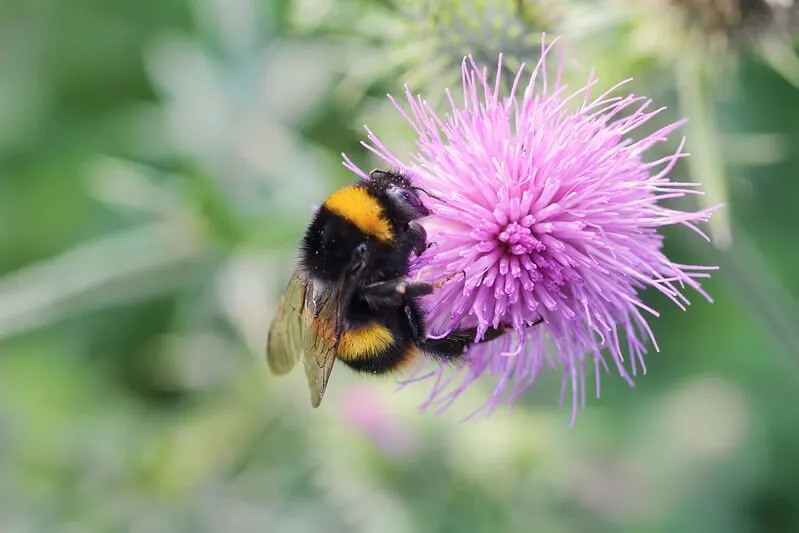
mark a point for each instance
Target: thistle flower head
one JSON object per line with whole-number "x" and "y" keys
{"x": 546, "y": 203}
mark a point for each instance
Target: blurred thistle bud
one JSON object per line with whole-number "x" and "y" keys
{"x": 664, "y": 32}
{"x": 726, "y": 22}
{"x": 452, "y": 29}
{"x": 690, "y": 48}
{"x": 426, "y": 41}
{"x": 734, "y": 22}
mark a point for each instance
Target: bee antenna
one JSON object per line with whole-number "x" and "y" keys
{"x": 431, "y": 195}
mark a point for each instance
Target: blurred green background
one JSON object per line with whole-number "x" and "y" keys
{"x": 158, "y": 161}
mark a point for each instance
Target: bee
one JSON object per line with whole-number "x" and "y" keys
{"x": 348, "y": 298}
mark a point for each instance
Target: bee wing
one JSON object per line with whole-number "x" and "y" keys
{"x": 323, "y": 313}
{"x": 284, "y": 345}
{"x": 307, "y": 325}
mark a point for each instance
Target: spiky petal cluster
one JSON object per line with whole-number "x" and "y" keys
{"x": 545, "y": 202}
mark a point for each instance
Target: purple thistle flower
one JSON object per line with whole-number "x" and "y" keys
{"x": 546, "y": 204}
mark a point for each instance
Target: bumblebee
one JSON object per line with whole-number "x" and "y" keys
{"x": 348, "y": 298}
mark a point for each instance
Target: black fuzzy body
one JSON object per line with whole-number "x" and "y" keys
{"x": 330, "y": 241}
{"x": 331, "y": 249}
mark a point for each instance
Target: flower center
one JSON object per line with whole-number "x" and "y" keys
{"x": 520, "y": 240}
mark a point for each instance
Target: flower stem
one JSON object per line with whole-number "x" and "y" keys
{"x": 706, "y": 163}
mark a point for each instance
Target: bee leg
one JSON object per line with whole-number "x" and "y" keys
{"x": 395, "y": 291}
{"x": 412, "y": 290}
{"x": 385, "y": 293}
{"x": 493, "y": 333}
{"x": 420, "y": 288}
{"x": 489, "y": 335}
{"x": 417, "y": 237}
{"x": 454, "y": 345}
{"x": 415, "y": 323}
{"x": 449, "y": 348}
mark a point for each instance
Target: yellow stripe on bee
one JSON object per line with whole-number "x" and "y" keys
{"x": 364, "y": 342}
{"x": 355, "y": 204}
{"x": 361, "y": 343}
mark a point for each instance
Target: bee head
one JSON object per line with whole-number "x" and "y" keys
{"x": 398, "y": 194}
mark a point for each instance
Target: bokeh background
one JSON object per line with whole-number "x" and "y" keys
{"x": 158, "y": 161}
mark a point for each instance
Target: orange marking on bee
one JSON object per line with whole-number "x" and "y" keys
{"x": 354, "y": 344}
{"x": 355, "y": 204}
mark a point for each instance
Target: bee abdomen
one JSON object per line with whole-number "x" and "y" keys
{"x": 373, "y": 358}
{"x": 364, "y": 342}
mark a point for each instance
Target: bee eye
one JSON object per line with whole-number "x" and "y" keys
{"x": 411, "y": 198}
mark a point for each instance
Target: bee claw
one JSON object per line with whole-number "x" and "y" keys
{"x": 440, "y": 283}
